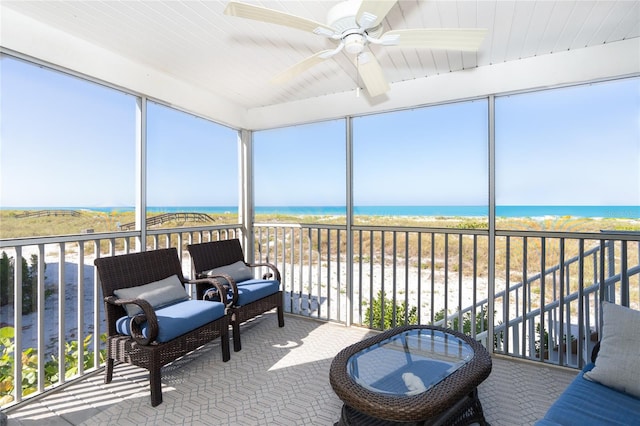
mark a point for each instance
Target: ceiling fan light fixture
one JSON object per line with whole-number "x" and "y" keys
{"x": 354, "y": 43}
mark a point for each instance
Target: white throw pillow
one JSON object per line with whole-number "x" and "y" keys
{"x": 159, "y": 293}
{"x": 239, "y": 271}
{"x": 618, "y": 362}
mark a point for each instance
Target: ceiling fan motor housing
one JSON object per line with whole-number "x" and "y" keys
{"x": 342, "y": 17}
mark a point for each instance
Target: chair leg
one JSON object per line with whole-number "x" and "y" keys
{"x": 280, "y": 316}
{"x": 235, "y": 325}
{"x": 155, "y": 381}
{"x": 108, "y": 371}
{"x": 226, "y": 355}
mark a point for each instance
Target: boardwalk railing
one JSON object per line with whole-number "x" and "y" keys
{"x": 41, "y": 213}
{"x": 547, "y": 287}
{"x": 179, "y": 217}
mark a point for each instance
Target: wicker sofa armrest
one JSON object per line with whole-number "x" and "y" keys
{"x": 275, "y": 273}
{"x": 148, "y": 315}
{"x": 222, "y": 289}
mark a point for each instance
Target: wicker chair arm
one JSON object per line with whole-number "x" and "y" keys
{"x": 222, "y": 289}
{"x": 271, "y": 266}
{"x": 148, "y": 315}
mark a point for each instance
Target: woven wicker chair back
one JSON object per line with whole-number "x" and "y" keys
{"x": 135, "y": 269}
{"x": 214, "y": 254}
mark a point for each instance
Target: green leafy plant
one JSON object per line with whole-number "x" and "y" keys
{"x": 544, "y": 344}
{"x": 570, "y": 340}
{"x": 481, "y": 323}
{"x": 29, "y": 360}
{"x": 374, "y": 313}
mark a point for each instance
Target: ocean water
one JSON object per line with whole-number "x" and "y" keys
{"x": 624, "y": 212}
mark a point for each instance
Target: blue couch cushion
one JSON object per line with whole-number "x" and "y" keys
{"x": 255, "y": 289}
{"x": 585, "y": 402}
{"x": 178, "y": 319}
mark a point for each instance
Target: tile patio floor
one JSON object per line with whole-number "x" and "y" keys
{"x": 281, "y": 377}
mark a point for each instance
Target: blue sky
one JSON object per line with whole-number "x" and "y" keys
{"x": 67, "y": 142}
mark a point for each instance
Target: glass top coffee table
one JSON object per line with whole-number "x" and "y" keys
{"x": 413, "y": 374}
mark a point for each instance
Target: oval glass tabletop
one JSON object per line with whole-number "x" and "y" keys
{"x": 410, "y": 362}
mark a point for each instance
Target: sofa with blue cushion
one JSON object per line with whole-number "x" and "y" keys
{"x": 607, "y": 390}
{"x": 248, "y": 296}
{"x": 151, "y": 320}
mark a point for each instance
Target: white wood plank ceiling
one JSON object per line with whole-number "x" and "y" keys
{"x": 235, "y": 58}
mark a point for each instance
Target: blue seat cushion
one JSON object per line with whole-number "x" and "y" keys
{"x": 178, "y": 319}
{"x": 589, "y": 403}
{"x": 255, "y": 289}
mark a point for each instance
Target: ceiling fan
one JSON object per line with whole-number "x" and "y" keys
{"x": 354, "y": 25}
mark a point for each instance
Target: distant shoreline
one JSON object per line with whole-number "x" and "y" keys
{"x": 539, "y": 212}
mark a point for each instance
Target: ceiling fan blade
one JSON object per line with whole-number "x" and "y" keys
{"x": 372, "y": 12}
{"x": 258, "y": 13}
{"x": 465, "y": 39}
{"x": 302, "y": 66}
{"x": 371, "y": 74}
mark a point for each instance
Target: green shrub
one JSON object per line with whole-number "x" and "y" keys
{"x": 29, "y": 362}
{"x": 391, "y": 311}
{"x": 29, "y": 282}
{"x": 482, "y": 321}
{"x": 5, "y": 273}
{"x": 472, "y": 224}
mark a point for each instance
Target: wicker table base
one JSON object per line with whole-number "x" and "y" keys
{"x": 451, "y": 401}
{"x": 467, "y": 411}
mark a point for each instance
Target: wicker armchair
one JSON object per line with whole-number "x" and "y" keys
{"x": 140, "y": 343}
{"x": 249, "y": 296}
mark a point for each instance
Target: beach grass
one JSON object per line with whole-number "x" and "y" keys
{"x": 13, "y": 226}
{"x": 456, "y": 252}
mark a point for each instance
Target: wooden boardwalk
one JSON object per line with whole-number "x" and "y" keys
{"x": 41, "y": 213}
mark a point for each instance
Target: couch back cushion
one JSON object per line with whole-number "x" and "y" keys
{"x": 618, "y": 361}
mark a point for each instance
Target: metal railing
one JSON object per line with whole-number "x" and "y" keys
{"x": 48, "y": 326}
{"x": 547, "y": 287}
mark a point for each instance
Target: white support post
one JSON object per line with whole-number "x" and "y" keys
{"x": 61, "y": 313}
{"x": 246, "y": 197}
{"x": 349, "y": 224}
{"x": 492, "y": 225}
{"x": 141, "y": 172}
{"x": 17, "y": 321}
